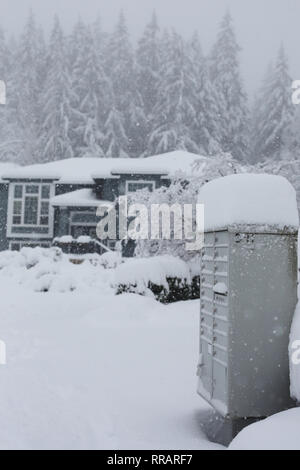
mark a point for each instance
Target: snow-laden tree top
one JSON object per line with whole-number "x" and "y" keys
{"x": 249, "y": 199}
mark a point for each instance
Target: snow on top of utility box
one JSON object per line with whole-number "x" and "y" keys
{"x": 249, "y": 199}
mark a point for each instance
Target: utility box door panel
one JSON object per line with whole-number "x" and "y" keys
{"x": 213, "y": 383}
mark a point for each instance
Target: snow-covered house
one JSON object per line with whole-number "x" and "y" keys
{"x": 43, "y": 202}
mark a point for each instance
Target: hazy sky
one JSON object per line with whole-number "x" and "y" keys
{"x": 260, "y": 25}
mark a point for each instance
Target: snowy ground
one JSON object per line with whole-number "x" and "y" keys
{"x": 87, "y": 369}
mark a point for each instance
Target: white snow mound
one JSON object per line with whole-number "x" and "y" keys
{"x": 249, "y": 199}
{"x": 279, "y": 432}
{"x": 141, "y": 271}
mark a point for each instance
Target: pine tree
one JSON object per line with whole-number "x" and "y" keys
{"x": 100, "y": 38}
{"x": 174, "y": 114}
{"x": 258, "y": 116}
{"x": 148, "y": 65}
{"x": 55, "y": 142}
{"x": 27, "y": 83}
{"x": 206, "y": 133}
{"x": 128, "y": 102}
{"x": 208, "y": 117}
{"x": 273, "y": 113}
{"x": 232, "y": 99}
{"x": 115, "y": 140}
{"x": 11, "y": 142}
{"x": 92, "y": 97}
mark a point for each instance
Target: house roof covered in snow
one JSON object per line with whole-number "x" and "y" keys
{"x": 85, "y": 170}
{"x": 80, "y": 198}
{"x": 6, "y": 168}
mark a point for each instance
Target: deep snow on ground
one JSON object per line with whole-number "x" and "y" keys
{"x": 91, "y": 370}
{"x": 87, "y": 369}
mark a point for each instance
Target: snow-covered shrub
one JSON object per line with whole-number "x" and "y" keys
{"x": 166, "y": 278}
{"x": 183, "y": 190}
{"x": 48, "y": 269}
{"x": 29, "y": 257}
{"x": 110, "y": 260}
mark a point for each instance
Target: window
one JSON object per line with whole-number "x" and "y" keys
{"x": 18, "y": 191}
{"x": 46, "y": 191}
{"x": 32, "y": 189}
{"x": 132, "y": 186}
{"x": 29, "y": 209}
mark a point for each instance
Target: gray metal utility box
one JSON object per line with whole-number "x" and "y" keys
{"x": 248, "y": 298}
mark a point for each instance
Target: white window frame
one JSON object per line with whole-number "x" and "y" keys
{"x": 146, "y": 182}
{"x": 10, "y": 211}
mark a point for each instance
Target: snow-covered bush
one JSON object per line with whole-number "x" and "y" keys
{"x": 44, "y": 269}
{"x": 110, "y": 260}
{"x": 183, "y": 190}
{"x": 29, "y": 257}
{"x": 166, "y": 278}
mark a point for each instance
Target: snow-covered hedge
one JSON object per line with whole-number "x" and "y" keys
{"x": 48, "y": 269}
{"x": 166, "y": 278}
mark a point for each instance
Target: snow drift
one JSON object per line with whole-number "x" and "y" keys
{"x": 279, "y": 432}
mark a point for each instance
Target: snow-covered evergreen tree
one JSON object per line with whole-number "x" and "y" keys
{"x": 128, "y": 101}
{"x": 208, "y": 118}
{"x": 115, "y": 140}
{"x": 92, "y": 94}
{"x": 148, "y": 58}
{"x": 92, "y": 97}
{"x": 174, "y": 116}
{"x": 206, "y": 133}
{"x": 232, "y": 100}
{"x": 55, "y": 142}
{"x": 273, "y": 113}
{"x": 28, "y": 83}
{"x": 11, "y": 142}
